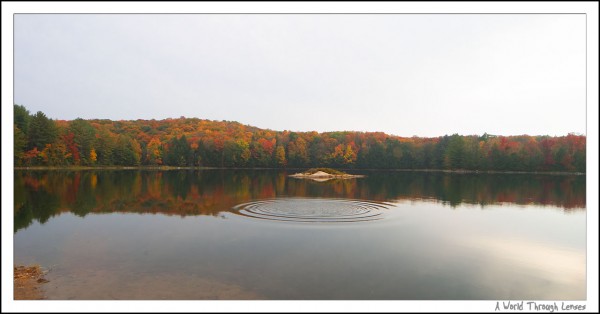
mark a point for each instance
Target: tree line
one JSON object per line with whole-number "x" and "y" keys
{"x": 193, "y": 142}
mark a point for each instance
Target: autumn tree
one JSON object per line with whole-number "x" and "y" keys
{"x": 154, "y": 152}
{"x": 191, "y": 141}
{"x": 298, "y": 152}
{"x": 262, "y": 151}
{"x": 280, "y": 156}
{"x": 68, "y": 141}
{"x": 350, "y": 155}
{"x": 55, "y": 154}
{"x": 236, "y": 153}
{"x": 136, "y": 148}
{"x": 93, "y": 156}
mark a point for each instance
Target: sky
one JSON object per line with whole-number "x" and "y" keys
{"x": 403, "y": 74}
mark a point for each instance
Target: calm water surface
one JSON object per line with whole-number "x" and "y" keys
{"x": 243, "y": 234}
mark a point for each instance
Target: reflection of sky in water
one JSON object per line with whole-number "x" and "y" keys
{"x": 421, "y": 250}
{"x": 534, "y": 260}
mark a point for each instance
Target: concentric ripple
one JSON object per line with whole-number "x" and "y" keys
{"x": 313, "y": 210}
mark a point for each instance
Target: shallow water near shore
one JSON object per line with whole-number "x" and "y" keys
{"x": 258, "y": 234}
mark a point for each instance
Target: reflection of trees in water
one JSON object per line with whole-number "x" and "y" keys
{"x": 40, "y": 195}
{"x": 34, "y": 202}
{"x": 41, "y": 207}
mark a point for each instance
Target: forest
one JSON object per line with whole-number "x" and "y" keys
{"x": 194, "y": 142}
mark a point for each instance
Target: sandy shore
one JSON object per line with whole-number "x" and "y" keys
{"x": 28, "y": 281}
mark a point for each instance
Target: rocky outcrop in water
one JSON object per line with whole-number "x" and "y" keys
{"x": 324, "y": 176}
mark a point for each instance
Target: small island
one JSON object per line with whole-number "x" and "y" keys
{"x": 324, "y": 174}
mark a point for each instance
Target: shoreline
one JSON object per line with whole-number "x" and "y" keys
{"x": 458, "y": 171}
{"x": 28, "y": 282}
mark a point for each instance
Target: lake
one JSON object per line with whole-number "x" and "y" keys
{"x": 259, "y": 234}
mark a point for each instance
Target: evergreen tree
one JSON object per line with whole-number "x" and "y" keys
{"x": 22, "y": 118}
{"x": 20, "y": 143}
{"x": 42, "y": 131}
{"x": 179, "y": 153}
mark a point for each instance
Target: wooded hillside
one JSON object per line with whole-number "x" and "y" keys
{"x": 40, "y": 141}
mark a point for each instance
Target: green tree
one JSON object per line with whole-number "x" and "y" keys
{"x": 123, "y": 153}
{"x": 136, "y": 148}
{"x": 236, "y": 153}
{"x": 84, "y": 137}
{"x": 472, "y": 154}
{"x": 20, "y": 143}
{"x": 375, "y": 156}
{"x": 22, "y": 118}
{"x": 179, "y": 152}
{"x": 454, "y": 156}
{"x": 42, "y": 131}
{"x": 579, "y": 160}
{"x": 104, "y": 146}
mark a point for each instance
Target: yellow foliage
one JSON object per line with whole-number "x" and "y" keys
{"x": 93, "y": 156}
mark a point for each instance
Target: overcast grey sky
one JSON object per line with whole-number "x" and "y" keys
{"x": 403, "y": 74}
